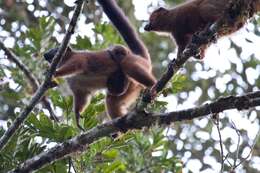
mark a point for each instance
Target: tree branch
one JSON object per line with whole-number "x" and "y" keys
{"x": 216, "y": 123}
{"x": 12, "y": 57}
{"x": 45, "y": 85}
{"x": 136, "y": 120}
{"x": 31, "y": 78}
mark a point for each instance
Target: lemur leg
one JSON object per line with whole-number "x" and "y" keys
{"x": 117, "y": 83}
{"x": 139, "y": 69}
{"x": 81, "y": 100}
{"x": 181, "y": 41}
{"x": 118, "y": 105}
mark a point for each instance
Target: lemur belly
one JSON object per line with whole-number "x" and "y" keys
{"x": 89, "y": 82}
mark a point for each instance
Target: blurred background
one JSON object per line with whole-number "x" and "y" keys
{"x": 231, "y": 67}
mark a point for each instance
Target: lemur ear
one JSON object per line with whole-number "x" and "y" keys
{"x": 120, "y": 50}
{"x": 49, "y": 55}
{"x": 161, "y": 9}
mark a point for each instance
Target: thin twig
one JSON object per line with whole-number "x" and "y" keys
{"x": 226, "y": 159}
{"x": 71, "y": 165}
{"x": 216, "y": 122}
{"x": 31, "y": 78}
{"x": 251, "y": 151}
{"x": 12, "y": 57}
{"x": 69, "y": 170}
{"x": 230, "y": 164}
{"x": 238, "y": 144}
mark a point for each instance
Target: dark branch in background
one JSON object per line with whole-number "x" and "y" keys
{"x": 237, "y": 10}
{"x": 135, "y": 120}
{"x": 13, "y": 58}
{"x": 216, "y": 122}
{"x": 46, "y": 84}
{"x": 31, "y": 78}
{"x": 122, "y": 24}
{"x": 238, "y": 145}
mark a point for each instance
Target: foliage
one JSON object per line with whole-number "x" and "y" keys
{"x": 158, "y": 149}
{"x": 131, "y": 152}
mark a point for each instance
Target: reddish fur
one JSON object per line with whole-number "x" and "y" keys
{"x": 118, "y": 105}
{"x": 123, "y": 84}
{"x": 190, "y": 17}
{"x": 89, "y": 71}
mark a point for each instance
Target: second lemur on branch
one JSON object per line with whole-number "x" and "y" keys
{"x": 193, "y": 16}
{"x": 124, "y": 72}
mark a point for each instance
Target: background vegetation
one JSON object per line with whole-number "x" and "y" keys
{"x": 31, "y": 27}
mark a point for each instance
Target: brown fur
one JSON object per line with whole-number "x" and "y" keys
{"x": 124, "y": 79}
{"x": 190, "y": 17}
{"x": 88, "y": 72}
{"x": 117, "y": 105}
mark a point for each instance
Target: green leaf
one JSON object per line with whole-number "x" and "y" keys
{"x": 158, "y": 106}
{"x": 45, "y": 121}
{"x": 110, "y": 154}
{"x": 109, "y": 34}
{"x": 83, "y": 43}
{"x": 65, "y": 103}
{"x": 32, "y": 119}
{"x": 115, "y": 166}
{"x": 178, "y": 83}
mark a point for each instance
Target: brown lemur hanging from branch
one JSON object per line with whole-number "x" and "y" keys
{"x": 123, "y": 71}
{"x": 191, "y": 17}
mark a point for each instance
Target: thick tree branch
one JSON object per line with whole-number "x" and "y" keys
{"x": 45, "y": 85}
{"x": 31, "y": 78}
{"x": 136, "y": 120}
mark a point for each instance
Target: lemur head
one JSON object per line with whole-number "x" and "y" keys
{"x": 119, "y": 50}
{"x": 49, "y": 55}
{"x": 155, "y": 19}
